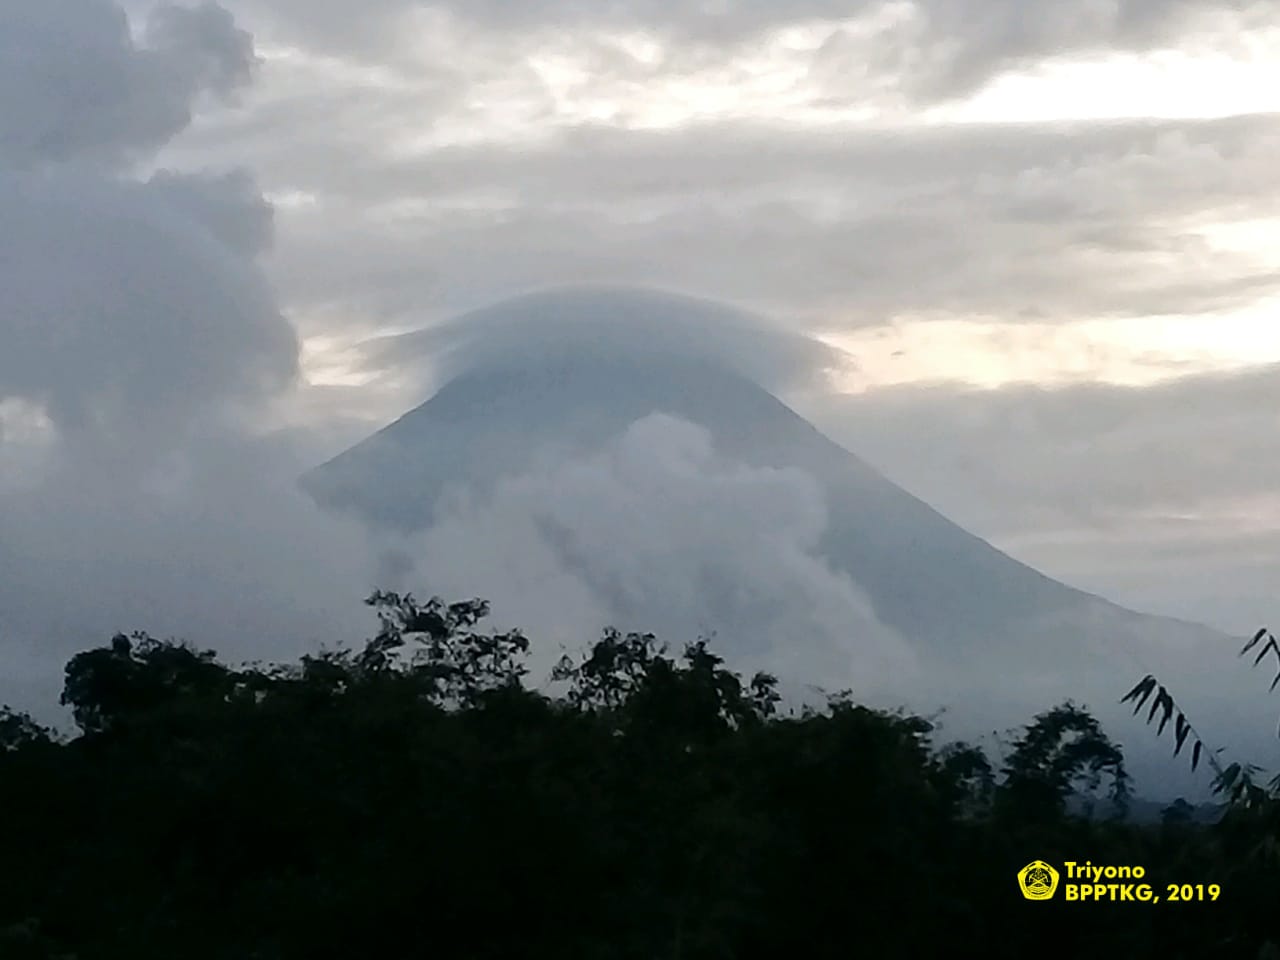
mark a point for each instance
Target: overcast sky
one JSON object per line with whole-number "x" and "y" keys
{"x": 1045, "y": 230}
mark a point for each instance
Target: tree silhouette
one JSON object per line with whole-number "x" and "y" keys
{"x": 412, "y": 796}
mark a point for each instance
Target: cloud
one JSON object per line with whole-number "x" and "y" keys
{"x": 143, "y": 360}
{"x": 596, "y": 320}
{"x": 420, "y": 172}
{"x": 505, "y": 153}
{"x": 933, "y": 50}
{"x": 74, "y": 85}
{"x": 1084, "y": 453}
{"x": 830, "y": 229}
{"x": 129, "y": 311}
{"x": 228, "y": 205}
{"x": 214, "y": 545}
{"x": 1159, "y": 497}
{"x": 656, "y": 531}
{"x": 922, "y": 50}
{"x": 132, "y": 307}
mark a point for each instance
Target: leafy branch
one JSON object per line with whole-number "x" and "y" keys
{"x": 1270, "y": 646}
{"x": 1164, "y": 704}
{"x": 1236, "y": 780}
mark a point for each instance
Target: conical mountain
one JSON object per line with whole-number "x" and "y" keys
{"x": 577, "y": 387}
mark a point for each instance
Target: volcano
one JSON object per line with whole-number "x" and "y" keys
{"x": 574, "y": 383}
{"x": 561, "y": 373}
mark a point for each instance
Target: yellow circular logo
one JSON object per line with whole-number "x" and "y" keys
{"x": 1038, "y": 880}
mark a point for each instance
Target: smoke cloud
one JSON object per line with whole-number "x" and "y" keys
{"x": 657, "y": 532}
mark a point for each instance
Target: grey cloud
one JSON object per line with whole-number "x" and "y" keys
{"x": 949, "y": 48}
{"x": 74, "y": 86}
{"x": 137, "y": 310}
{"x": 925, "y": 50}
{"x": 142, "y": 356}
{"x": 124, "y": 316}
{"x": 724, "y": 547}
{"x": 1161, "y": 498}
{"x": 326, "y": 24}
{"x": 1082, "y": 457}
{"x": 132, "y": 309}
{"x": 542, "y": 327}
{"x": 214, "y": 544}
{"x": 835, "y": 274}
{"x": 1196, "y": 571}
{"x": 229, "y": 205}
{"x": 201, "y": 47}
{"x": 595, "y": 163}
{"x": 847, "y": 228}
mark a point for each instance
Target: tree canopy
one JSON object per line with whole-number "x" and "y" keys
{"x": 414, "y": 797}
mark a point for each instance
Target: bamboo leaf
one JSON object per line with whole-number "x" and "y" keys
{"x": 1140, "y": 692}
{"x": 1180, "y": 730}
{"x": 1195, "y": 755}
{"x": 1155, "y": 704}
{"x": 1257, "y": 637}
{"x": 1166, "y": 702}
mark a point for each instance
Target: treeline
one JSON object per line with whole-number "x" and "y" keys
{"x": 415, "y": 798}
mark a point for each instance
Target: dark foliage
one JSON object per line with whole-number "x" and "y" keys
{"x": 415, "y": 798}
